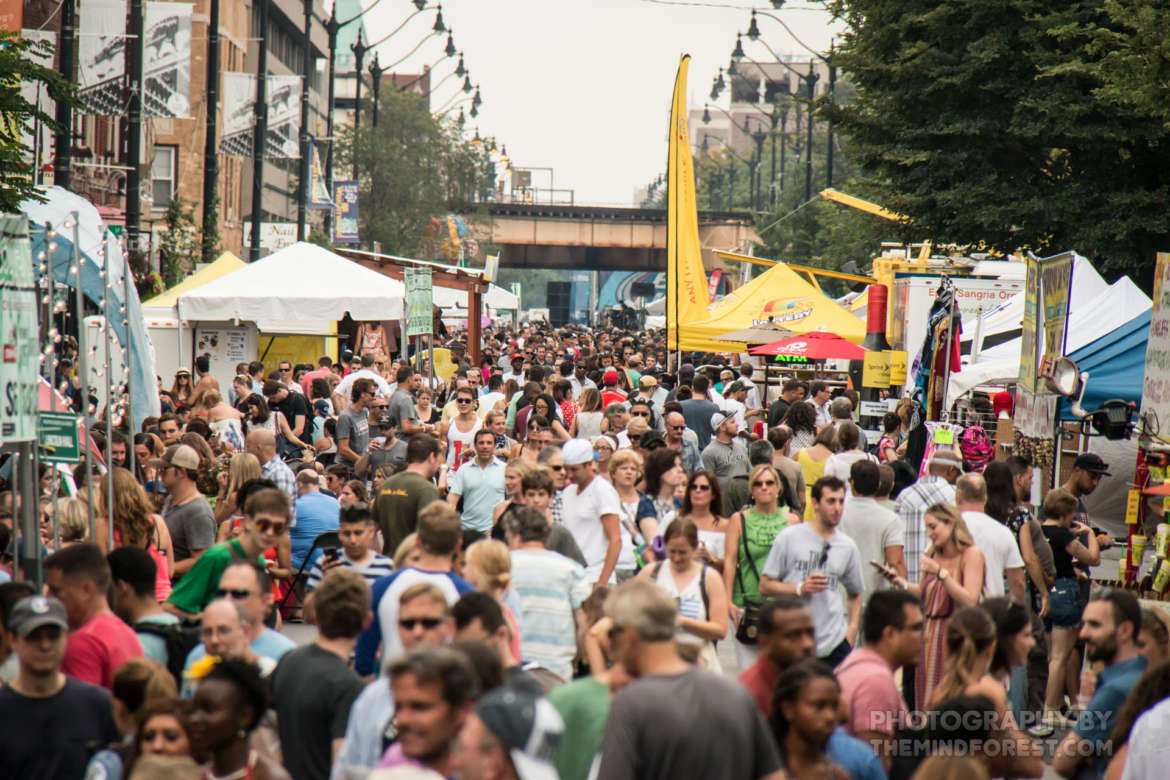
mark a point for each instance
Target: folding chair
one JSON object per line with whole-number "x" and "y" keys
{"x": 323, "y": 540}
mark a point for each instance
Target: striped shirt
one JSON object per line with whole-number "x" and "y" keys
{"x": 911, "y": 507}
{"x": 549, "y": 587}
{"x": 378, "y": 567}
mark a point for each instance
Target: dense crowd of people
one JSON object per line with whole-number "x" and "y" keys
{"x": 567, "y": 561}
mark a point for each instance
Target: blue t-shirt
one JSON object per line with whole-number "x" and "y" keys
{"x": 383, "y": 629}
{"x": 315, "y": 513}
{"x": 855, "y": 756}
{"x": 1097, "y": 721}
{"x": 270, "y": 644}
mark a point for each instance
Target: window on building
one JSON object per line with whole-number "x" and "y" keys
{"x": 163, "y": 175}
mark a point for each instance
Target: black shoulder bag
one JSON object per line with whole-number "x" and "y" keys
{"x": 749, "y": 624}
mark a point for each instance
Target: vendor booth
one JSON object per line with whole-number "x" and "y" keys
{"x": 779, "y": 296}
{"x": 301, "y": 289}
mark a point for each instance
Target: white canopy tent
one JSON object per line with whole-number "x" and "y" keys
{"x": 1095, "y": 310}
{"x": 302, "y": 282}
{"x": 496, "y": 298}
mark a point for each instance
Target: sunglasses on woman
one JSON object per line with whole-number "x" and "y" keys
{"x": 701, "y": 487}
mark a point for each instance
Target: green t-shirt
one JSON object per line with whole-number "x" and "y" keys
{"x": 197, "y": 588}
{"x": 584, "y": 706}
{"x": 397, "y": 506}
{"x": 762, "y": 530}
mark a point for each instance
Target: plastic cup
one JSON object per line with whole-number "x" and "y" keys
{"x": 1162, "y": 576}
{"x": 1121, "y": 562}
{"x": 1162, "y": 541}
{"x": 1137, "y": 546}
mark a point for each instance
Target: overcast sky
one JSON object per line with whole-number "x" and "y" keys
{"x": 584, "y": 86}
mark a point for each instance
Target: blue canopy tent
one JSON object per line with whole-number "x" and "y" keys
{"x": 94, "y": 240}
{"x": 1116, "y": 363}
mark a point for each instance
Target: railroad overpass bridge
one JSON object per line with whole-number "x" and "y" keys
{"x": 596, "y": 238}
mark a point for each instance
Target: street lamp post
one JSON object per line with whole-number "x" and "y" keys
{"x": 376, "y": 77}
{"x": 811, "y": 81}
{"x": 359, "y": 53}
{"x": 306, "y": 68}
{"x": 259, "y": 138}
{"x": 829, "y": 150}
{"x": 331, "y": 28}
{"x": 210, "y": 143}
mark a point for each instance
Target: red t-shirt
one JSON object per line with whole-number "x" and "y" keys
{"x": 95, "y": 651}
{"x": 760, "y": 680}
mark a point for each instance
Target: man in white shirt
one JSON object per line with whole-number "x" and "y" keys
{"x": 590, "y": 511}
{"x": 999, "y": 547}
{"x": 341, "y": 392}
{"x": 819, "y": 397}
{"x": 753, "y": 400}
{"x": 875, "y": 530}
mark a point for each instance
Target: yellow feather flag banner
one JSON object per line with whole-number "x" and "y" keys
{"x": 686, "y": 284}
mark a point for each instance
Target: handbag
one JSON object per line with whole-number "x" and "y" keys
{"x": 748, "y": 631}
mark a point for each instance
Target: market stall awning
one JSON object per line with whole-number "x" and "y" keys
{"x": 222, "y": 266}
{"x": 300, "y": 282}
{"x": 495, "y": 298}
{"x": 761, "y": 334}
{"x": 813, "y": 346}
{"x": 779, "y": 297}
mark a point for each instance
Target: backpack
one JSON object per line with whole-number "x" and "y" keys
{"x": 180, "y": 639}
{"x": 976, "y": 447}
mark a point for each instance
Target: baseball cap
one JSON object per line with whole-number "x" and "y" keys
{"x": 181, "y": 456}
{"x": 720, "y": 417}
{"x": 647, "y": 381}
{"x": 610, "y": 377}
{"x": 577, "y": 451}
{"x": 1092, "y": 463}
{"x": 528, "y": 725}
{"x": 946, "y": 457}
{"x": 32, "y": 612}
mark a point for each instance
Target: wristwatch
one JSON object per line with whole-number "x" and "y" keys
{"x": 943, "y": 574}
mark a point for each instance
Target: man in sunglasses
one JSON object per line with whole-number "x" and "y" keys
{"x": 814, "y": 560}
{"x": 247, "y": 586}
{"x": 266, "y": 518}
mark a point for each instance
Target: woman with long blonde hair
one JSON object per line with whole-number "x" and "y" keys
{"x": 489, "y": 568}
{"x": 972, "y": 642}
{"x": 135, "y": 525}
{"x": 242, "y": 467}
{"x": 586, "y": 422}
{"x": 952, "y": 578}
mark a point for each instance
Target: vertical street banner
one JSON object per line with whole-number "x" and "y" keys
{"x": 19, "y": 336}
{"x": 686, "y": 284}
{"x": 1055, "y": 284}
{"x": 345, "y": 212}
{"x": 318, "y": 190}
{"x": 36, "y": 138}
{"x": 283, "y": 141}
{"x": 101, "y": 57}
{"x": 11, "y": 15}
{"x": 1029, "y": 338}
{"x": 1156, "y": 385}
{"x": 239, "y": 114}
{"x": 166, "y": 60}
{"x": 420, "y": 301}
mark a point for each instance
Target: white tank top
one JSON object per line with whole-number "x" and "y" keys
{"x": 459, "y": 442}
{"x": 690, "y": 604}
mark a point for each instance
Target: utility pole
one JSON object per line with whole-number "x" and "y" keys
{"x": 210, "y": 140}
{"x": 306, "y": 68}
{"x": 259, "y": 138}
{"x": 359, "y": 53}
{"x": 808, "y": 166}
{"x": 67, "y": 54}
{"x": 783, "y": 144}
{"x": 331, "y": 27}
{"x": 134, "y": 25}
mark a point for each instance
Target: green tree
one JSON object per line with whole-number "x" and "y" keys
{"x": 21, "y": 62}
{"x": 412, "y": 167}
{"x": 179, "y": 243}
{"x": 987, "y": 124}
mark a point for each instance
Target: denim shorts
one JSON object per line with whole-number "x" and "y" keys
{"x": 1065, "y": 605}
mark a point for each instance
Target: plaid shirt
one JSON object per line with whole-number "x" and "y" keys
{"x": 911, "y": 507}
{"x": 279, "y": 472}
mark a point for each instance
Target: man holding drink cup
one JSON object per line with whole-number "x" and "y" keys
{"x": 814, "y": 560}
